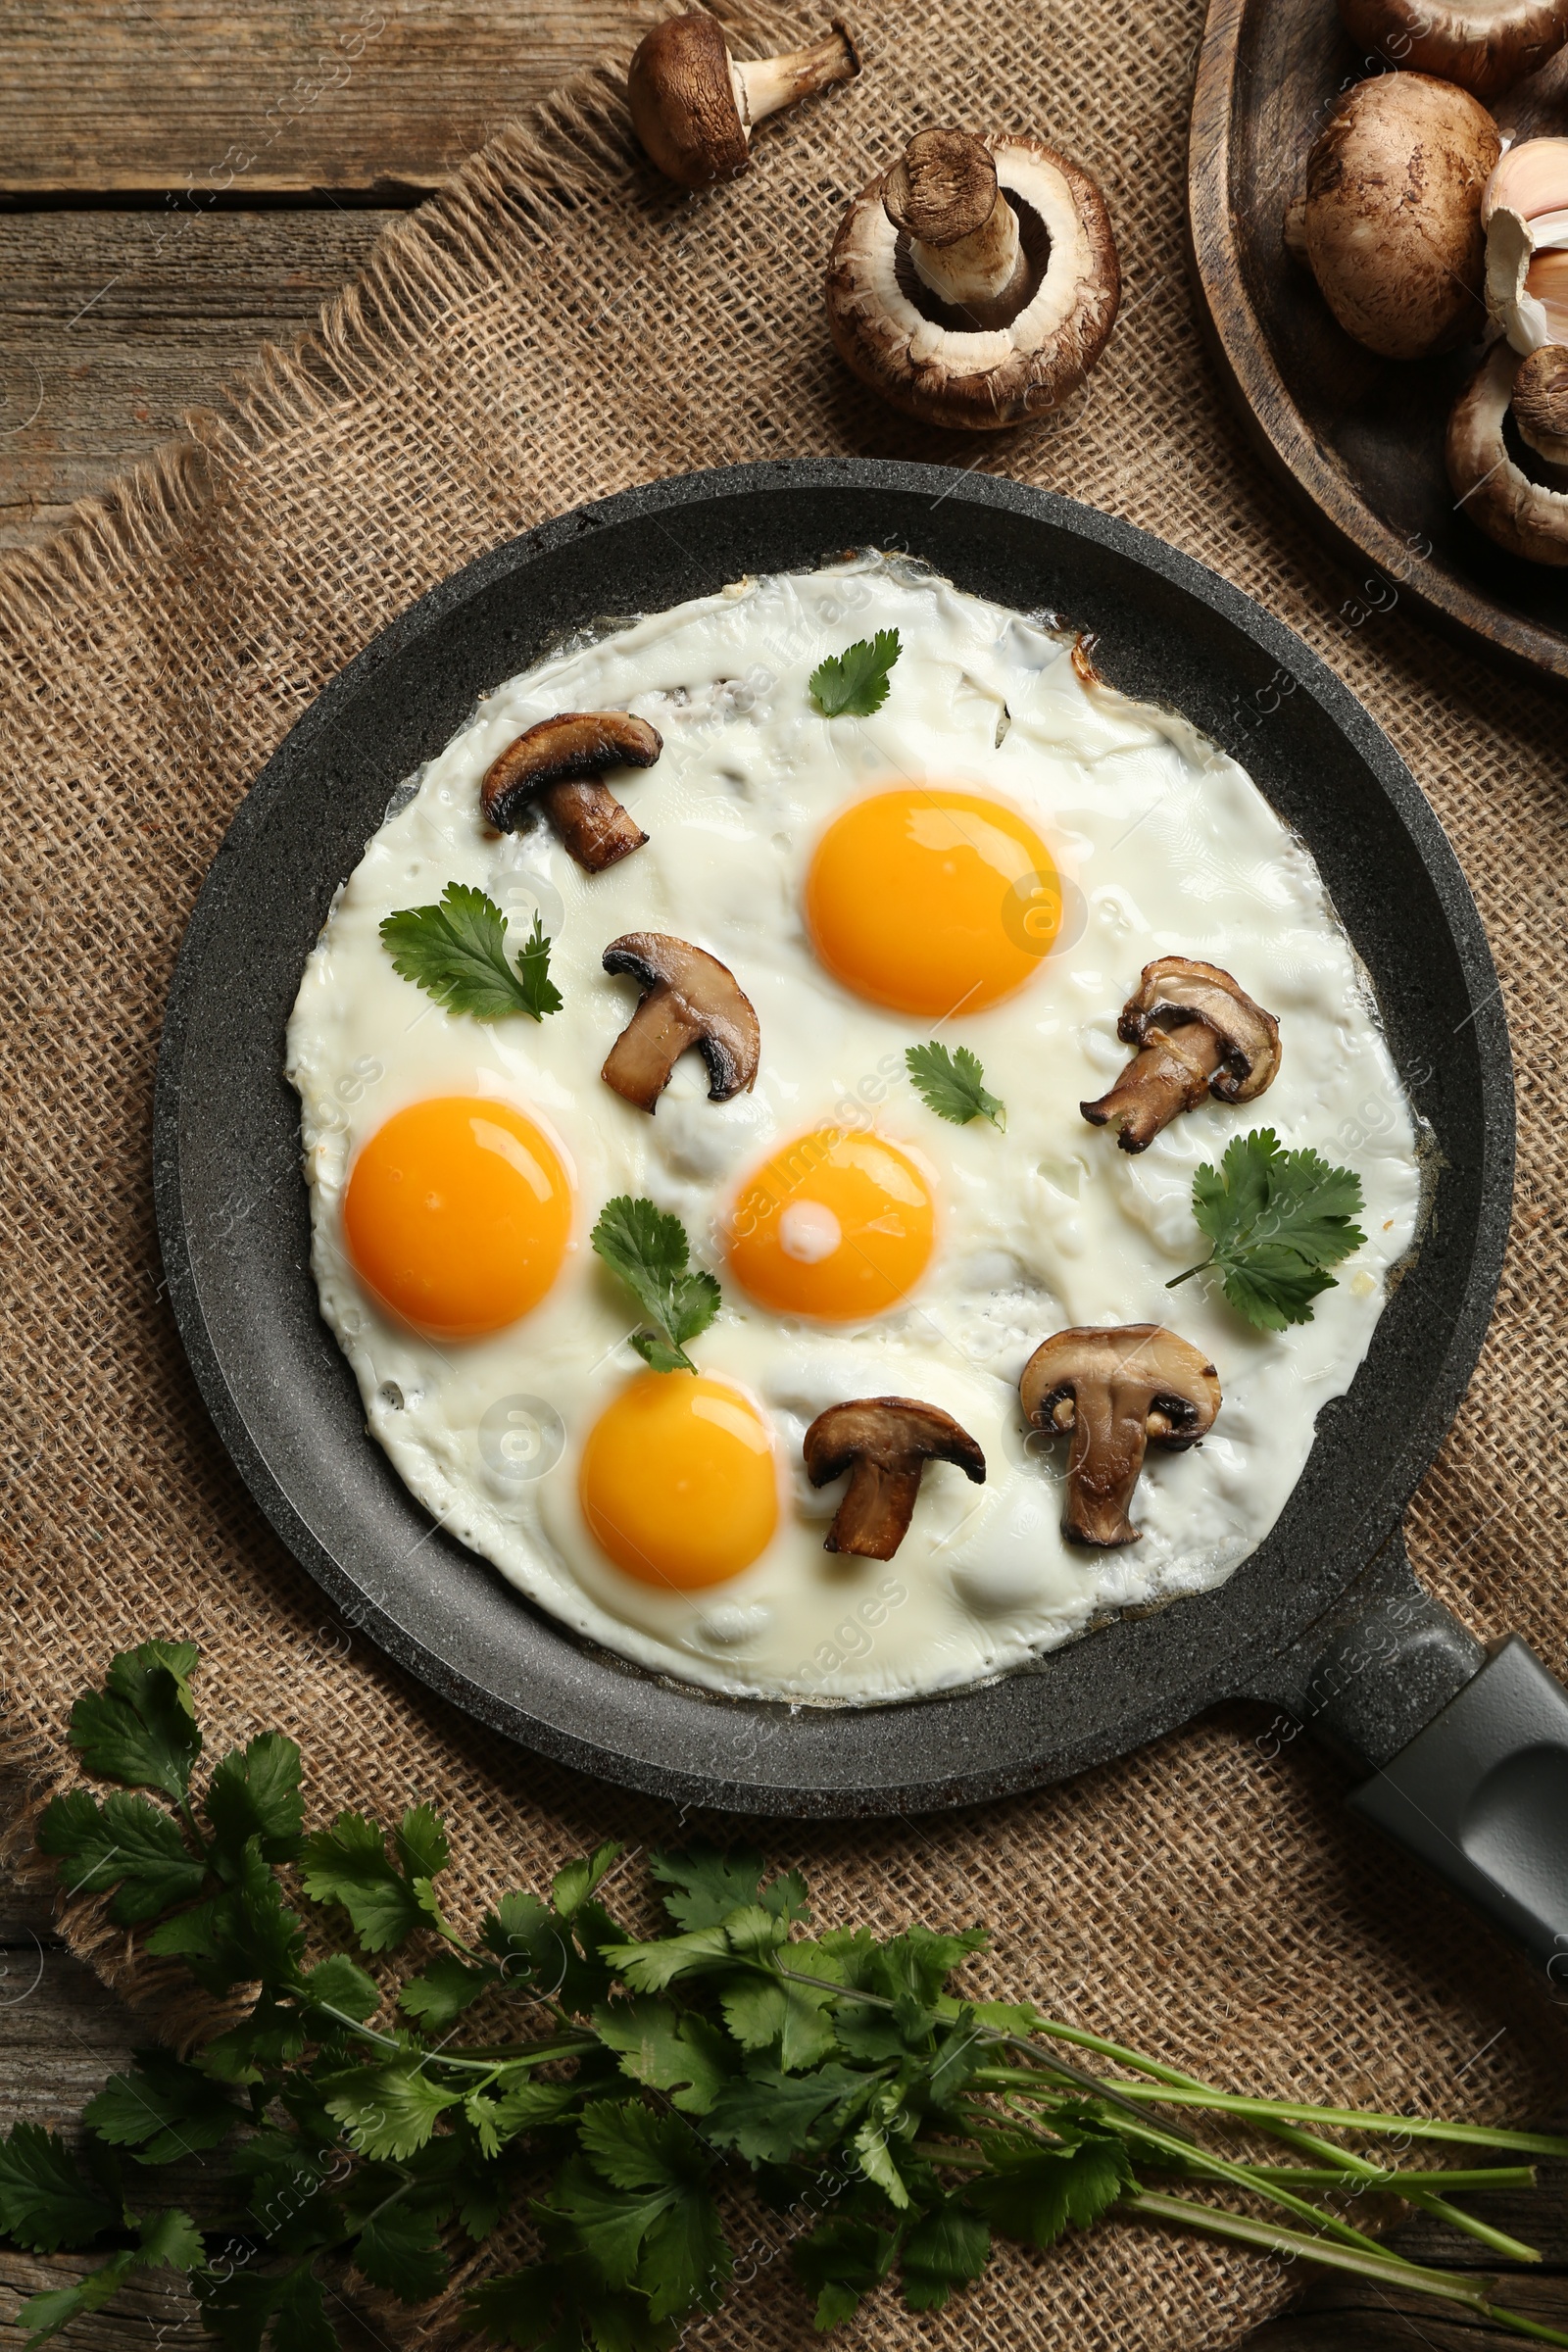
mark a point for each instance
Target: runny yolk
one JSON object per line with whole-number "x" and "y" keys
{"x": 679, "y": 1483}
{"x": 457, "y": 1215}
{"x": 932, "y": 901}
{"x": 836, "y": 1225}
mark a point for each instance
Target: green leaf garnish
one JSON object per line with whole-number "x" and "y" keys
{"x": 649, "y": 1249}
{"x": 457, "y": 952}
{"x": 952, "y": 1085}
{"x": 854, "y": 683}
{"x": 634, "y": 2089}
{"x": 1277, "y": 1220}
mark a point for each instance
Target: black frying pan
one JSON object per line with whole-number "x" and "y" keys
{"x": 1325, "y": 1619}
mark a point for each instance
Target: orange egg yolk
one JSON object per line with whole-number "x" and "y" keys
{"x": 457, "y": 1215}
{"x": 932, "y": 901}
{"x": 679, "y": 1483}
{"x": 836, "y": 1225}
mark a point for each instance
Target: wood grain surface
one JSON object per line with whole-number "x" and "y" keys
{"x": 1358, "y": 439}
{"x": 180, "y": 181}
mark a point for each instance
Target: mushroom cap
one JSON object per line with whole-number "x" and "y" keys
{"x": 1393, "y": 220}
{"x": 574, "y": 744}
{"x": 700, "y": 1002}
{"x": 895, "y": 1433}
{"x": 1486, "y": 45}
{"x": 684, "y": 106}
{"x": 1179, "y": 1382}
{"x": 1177, "y": 989}
{"x": 1527, "y": 517}
{"x": 934, "y": 369}
{"x": 1540, "y": 403}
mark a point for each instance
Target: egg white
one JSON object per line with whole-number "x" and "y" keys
{"x": 1167, "y": 847}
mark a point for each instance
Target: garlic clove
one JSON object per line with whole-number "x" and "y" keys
{"x": 1525, "y": 215}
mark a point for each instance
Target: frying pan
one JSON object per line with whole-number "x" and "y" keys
{"x": 1467, "y": 1753}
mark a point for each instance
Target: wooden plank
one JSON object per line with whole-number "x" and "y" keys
{"x": 377, "y": 100}
{"x": 113, "y": 324}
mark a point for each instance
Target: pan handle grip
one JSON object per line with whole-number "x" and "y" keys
{"x": 1467, "y": 1748}
{"x": 1481, "y": 1796}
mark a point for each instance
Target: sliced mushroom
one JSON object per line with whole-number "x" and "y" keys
{"x": 1529, "y": 519}
{"x": 1198, "y": 1033}
{"x": 885, "y": 1443}
{"x": 693, "y": 106}
{"x": 1118, "y": 1390}
{"x": 1392, "y": 221}
{"x": 560, "y": 764}
{"x": 1486, "y": 45}
{"x": 690, "y": 999}
{"x": 1525, "y": 216}
{"x": 976, "y": 282}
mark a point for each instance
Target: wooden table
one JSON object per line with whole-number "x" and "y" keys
{"x": 179, "y": 180}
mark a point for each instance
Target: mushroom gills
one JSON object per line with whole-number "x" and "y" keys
{"x": 689, "y": 999}
{"x": 558, "y": 767}
{"x": 1116, "y": 1390}
{"x": 885, "y": 1443}
{"x": 1198, "y": 1033}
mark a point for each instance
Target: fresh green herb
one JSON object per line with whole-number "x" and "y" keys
{"x": 952, "y": 1085}
{"x": 1276, "y": 1219}
{"x": 457, "y": 952}
{"x": 854, "y": 683}
{"x": 830, "y": 2069}
{"x": 649, "y": 1249}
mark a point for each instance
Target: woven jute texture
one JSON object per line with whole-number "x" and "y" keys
{"x": 556, "y": 327}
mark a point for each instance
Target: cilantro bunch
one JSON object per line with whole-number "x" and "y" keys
{"x": 607, "y": 2088}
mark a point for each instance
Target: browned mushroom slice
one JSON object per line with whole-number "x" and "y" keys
{"x": 690, "y": 999}
{"x": 885, "y": 1443}
{"x": 1118, "y": 1390}
{"x": 560, "y": 764}
{"x": 1197, "y": 1033}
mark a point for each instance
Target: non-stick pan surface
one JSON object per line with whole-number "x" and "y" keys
{"x": 231, "y": 1202}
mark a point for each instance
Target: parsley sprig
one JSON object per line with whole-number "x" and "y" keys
{"x": 952, "y": 1085}
{"x": 647, "y": 1248}
{"x": 457, "y": 952}
{"x": 854, "y": 683}
{"x": 618, "y": 2091}
{"x": 1278, "y": 1219}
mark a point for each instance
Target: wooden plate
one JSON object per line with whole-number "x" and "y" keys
{"x": 1359, "y": 438}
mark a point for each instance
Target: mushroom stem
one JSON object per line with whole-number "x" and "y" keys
{"x": 591, "y": 822}
{"x": 964, "y": 233}
{"x": 874, "y": 1517}
{"x": 1170, "y": 1074}
{"x": 767, "y": 86}
{"x": 1109, "y": 1439}
{"x": 1119, "y": 1390}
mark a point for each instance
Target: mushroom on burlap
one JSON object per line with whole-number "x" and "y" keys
{"x": 885, "y": 1443}
{"x": 1197, "y": 1033}
{"x": 560, "y": 765}
{"x": 976, "y": 282}
{"x": 693, "y": 106}
{"x": 1117, "y": 1390}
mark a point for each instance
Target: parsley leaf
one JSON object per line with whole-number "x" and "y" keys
{"x": 45, "y": 2200}
{"x": 854, "y": 683}
{"x": 952, "y": 1085}
{"x": 141, "y": 1727}
{"x": 1034, "y": 2193}
{"x": 947, "y": 2248}
{"x": 349, "y": 1864}
{"x": 683, "y": 2056}
{"x": 171, "y": 2239}
{"x": 127, "y": 1844}
{"x": 164, "y": 2110}
{"x": 649, "y": 1249}
{"x": 1277, "y": 1220}
{"x": 457, "y": 952}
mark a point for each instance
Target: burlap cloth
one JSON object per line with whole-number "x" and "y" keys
{"x": 556, "y": 327}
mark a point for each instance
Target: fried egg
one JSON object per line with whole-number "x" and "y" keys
{"x": 990, "y": 859}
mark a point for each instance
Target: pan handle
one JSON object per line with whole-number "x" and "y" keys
{"x": 1468, "y": 1747}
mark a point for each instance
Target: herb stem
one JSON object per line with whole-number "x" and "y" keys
{"x": 1176, "y": 1280}
{"x": 1352, "y": 2119}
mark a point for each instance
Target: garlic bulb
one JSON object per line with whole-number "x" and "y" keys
{"x": 1525, "y": 215}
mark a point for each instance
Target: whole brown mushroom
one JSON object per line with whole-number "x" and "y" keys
{"x": 976, "y": 282}
{"x": 693, "y": 107}
{"x": 1530, "y": 518}
{"x": 1390, "y": 227}
{"x": 1486, "y": 45}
